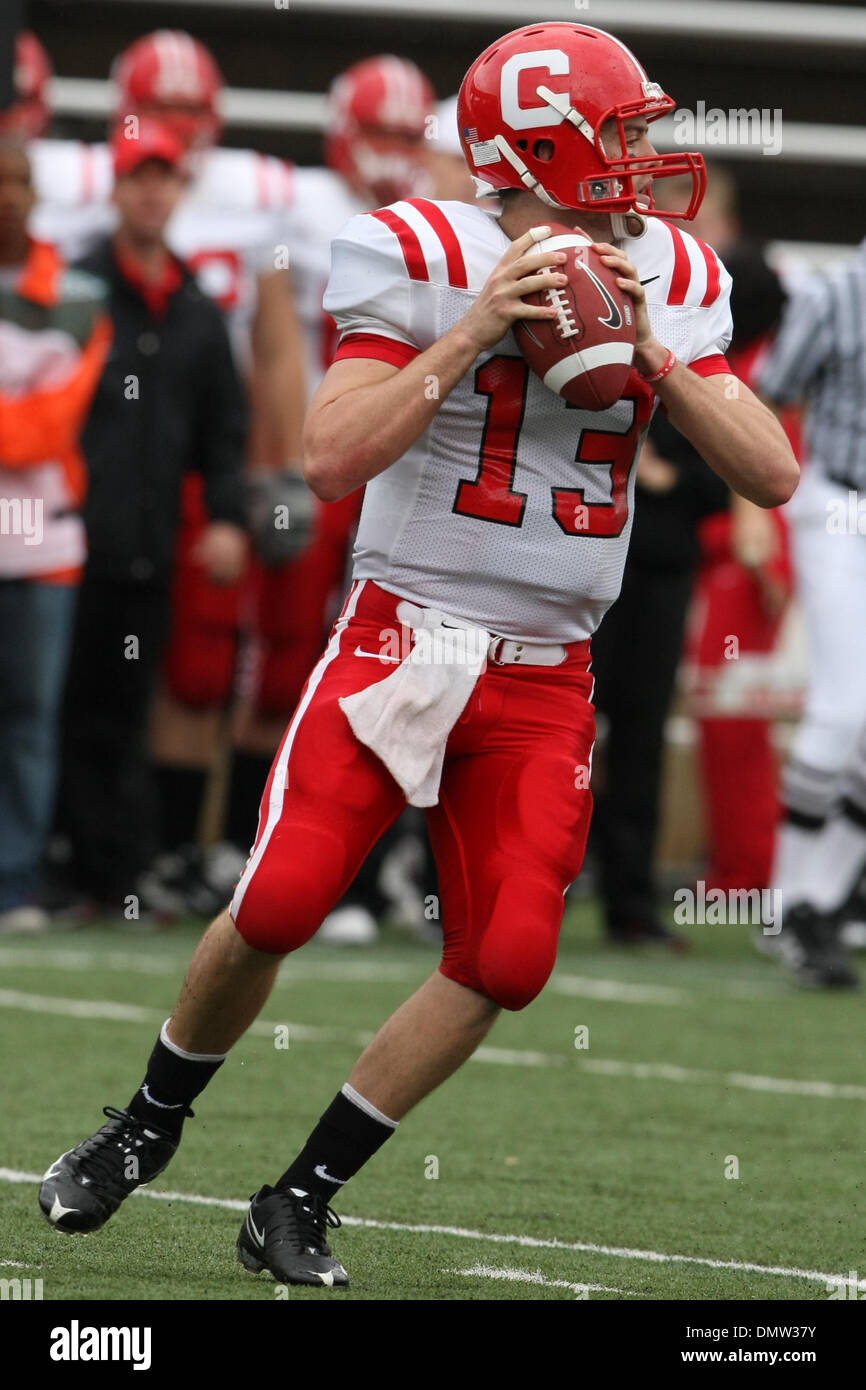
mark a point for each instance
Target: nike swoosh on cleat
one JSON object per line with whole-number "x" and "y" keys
{"x": 58, "y": 1210}
{"x": 325, "y": 1278}
{"x": 322, "y": 1172}
{"x": 378, "y": 656}
{"x": 258, "y": 1235}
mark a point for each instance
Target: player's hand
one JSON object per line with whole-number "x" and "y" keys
{"x": 649, "y": 354}
{"x": 221, "y": 550}
{"x": 655, "y": 473}
{"x": 754, "y": 534}
{"x": 521, "y": 271}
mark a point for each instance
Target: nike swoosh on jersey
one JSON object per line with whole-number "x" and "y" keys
{"x": 378, "y": 656}
{"x": 650, "y": 280}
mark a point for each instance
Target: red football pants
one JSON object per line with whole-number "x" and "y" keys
{"x": 508, "y": 833}
{"x": 738, "y": 764}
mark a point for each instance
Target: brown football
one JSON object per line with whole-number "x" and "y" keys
{"x": 585, "y": 353}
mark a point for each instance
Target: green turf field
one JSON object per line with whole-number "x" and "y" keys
{"x": 597, "y": 1172}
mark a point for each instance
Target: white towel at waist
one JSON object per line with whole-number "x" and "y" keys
{"x": 406, "y": 718}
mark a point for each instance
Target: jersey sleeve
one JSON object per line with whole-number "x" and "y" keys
{"x": 714, "y": 326}
{"x": 266, "y": 254}
{"x": 802, "y": 346}
{"x": 369, "y": 293}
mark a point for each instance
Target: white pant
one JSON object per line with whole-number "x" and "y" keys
{"x": 831, "y": 586}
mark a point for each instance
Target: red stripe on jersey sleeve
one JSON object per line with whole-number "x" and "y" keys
{"x": 447, "y": 235}
{"x": 682, "y": 271}
{"x": 714, "y": 273}
{"x": 413, "y": 255}
{"x": 377, "y": 346}
{"x": 713, "y": 365}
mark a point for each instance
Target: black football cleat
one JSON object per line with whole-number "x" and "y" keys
{"x": 85, "y": 1186}
{"x": 284, "y": 1232}
{"x": 818, "y": 958}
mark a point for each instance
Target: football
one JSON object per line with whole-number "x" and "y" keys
{"x": 585, "y": 353}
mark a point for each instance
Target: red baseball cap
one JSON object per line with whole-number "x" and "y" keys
{"x": 143, "y": 137}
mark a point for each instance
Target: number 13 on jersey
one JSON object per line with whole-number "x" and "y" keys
{"x": 491, "y": 495}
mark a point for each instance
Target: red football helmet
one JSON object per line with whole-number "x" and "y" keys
{"x": 557, "y": 85}
{"x": 30, "y": 113}
{"x": 171, "y": 75}
{"x": 378, "y": 111}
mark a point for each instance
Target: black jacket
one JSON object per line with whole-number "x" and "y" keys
{"x": 170, "y": 399}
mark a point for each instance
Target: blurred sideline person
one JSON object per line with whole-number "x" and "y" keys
{"x": 507, "y": 595}
{"x": 743, "y": 586}
{"x": 449, "y": 171}
{"x": 169, "y": 401}
{"x": 29, "y": 114}
{"x": 688, "y": 535}
{"x": 636, "y": 652}
{"x": 833, "y": 902}
{"x": 224, "y": 228}
{"x": 375, "y": 151}
{"x": 54, "y": 335}
{"x": 819, "y": 359}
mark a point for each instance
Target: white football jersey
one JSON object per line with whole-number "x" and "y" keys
{"x": 513, "y": 510}
{"x": 322, "y": 204}
{"x": 73, "y": 183}
{"x": 225, "y": 227}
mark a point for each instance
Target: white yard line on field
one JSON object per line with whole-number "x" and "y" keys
{"x": 296, "y": 970}
{"x": 620, "y": 991}
{"x": 113, "y": 1011}
{"x": 98, "y": 1009}
{"x": 15, "y": 1175}
{"x": 525, "y": 1276}
{"x": 140, "y": 963}
{"x": 663, "y": 1071}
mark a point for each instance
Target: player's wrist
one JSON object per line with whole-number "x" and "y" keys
{"x": 466, "y": 342}
{"x": 650, "y": 358}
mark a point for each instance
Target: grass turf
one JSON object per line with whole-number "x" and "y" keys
{"x": 538, "y": 1140}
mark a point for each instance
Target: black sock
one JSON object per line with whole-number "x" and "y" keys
{"x": 173, "y": 1079}
{"x": 347, "y": 1135}
{"x": 181, "y": 793}
{"x": 247, "y": 778}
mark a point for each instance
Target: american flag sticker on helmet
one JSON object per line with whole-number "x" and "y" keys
{"x": 470, "y": 134}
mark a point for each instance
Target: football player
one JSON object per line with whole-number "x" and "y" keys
{"x": 30, "y": 112}
{"x": 375, "y": 149}
{"x": 226, "y": 230}
{"x": 448, "y": 169}
{"x": 819, "y": 359}
{"x": 494, "y": 528}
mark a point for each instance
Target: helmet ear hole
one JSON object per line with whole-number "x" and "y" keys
{"x": 522, "y": 145}
{"x": 544, "y": 150}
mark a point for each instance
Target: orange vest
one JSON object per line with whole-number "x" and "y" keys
{"x": 54, "y": 337}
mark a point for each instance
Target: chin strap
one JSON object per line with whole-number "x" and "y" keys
{"x": 628, "y": 225}
{"x": 526, "y": 178}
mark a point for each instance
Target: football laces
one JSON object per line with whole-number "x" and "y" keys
{"x": 564, "y": 312}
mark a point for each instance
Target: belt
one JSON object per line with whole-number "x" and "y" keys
{"x": 501, "y": 651}
{"x": 504, "y": 651}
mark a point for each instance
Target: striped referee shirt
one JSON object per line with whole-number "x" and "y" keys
{"x": 819, "y": 357}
